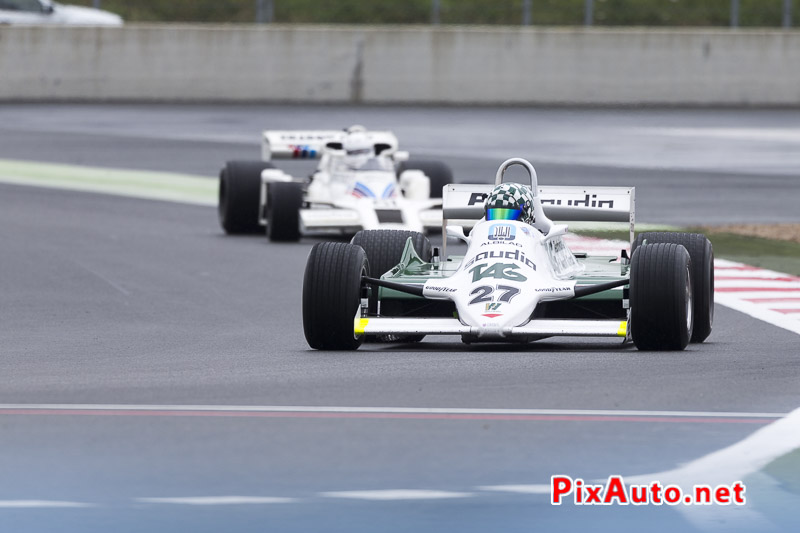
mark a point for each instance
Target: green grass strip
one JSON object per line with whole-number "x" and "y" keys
{"x": 772, "y": 254}
{"x": 786, "y": 470}
{"x": 165, "y": 186}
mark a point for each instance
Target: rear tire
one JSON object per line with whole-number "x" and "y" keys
{"x": 702, "y": 254}
{"x": 384, "y": 249}
{"x": 284, "y": 200}
{"x": 239, "y": 196}
{"x": 661, "y": 297}
{"x": 438, "y": 173}
{"x": 332, "y": 295}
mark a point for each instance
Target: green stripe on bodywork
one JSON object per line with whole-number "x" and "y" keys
{"x": 165, "y": 186}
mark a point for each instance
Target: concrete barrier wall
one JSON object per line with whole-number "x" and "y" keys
{"x": 449, "y": 65}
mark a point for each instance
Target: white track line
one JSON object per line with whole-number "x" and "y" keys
{"x": 396, "y": 494}
{"x": 218, "y": 500}
{"x": 519, "y": 489}
{"x": 41, "y": 504}
{"x": 728, "y": 465}
{"x": 400, "y": 410}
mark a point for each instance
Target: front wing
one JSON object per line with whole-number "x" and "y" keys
{"x": 452, "y": 326}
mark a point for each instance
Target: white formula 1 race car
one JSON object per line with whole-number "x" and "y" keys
{"x": 518, "y": 280}
{"x": 362, "y": 182}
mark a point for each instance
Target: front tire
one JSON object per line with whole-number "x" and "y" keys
{"x": 332, "y": 295}
{"x": 284, "y": 200}
{"x": 239, "y": 196}
{"x": 702, "y": 255}
{"x": 661, "y": 297}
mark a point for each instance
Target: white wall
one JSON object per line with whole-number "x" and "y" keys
{"x": 416, "y": 64}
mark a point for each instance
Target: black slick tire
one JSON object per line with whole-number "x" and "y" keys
{"x": 284, "y": 200}
{"x": 239, "y": 196}
{"x": 439, "y": 173}
{"x": 702, "y": 254}
{"x": 384, "y": 247}
{"x": 661, "y": 297}
{"x": 332, "y": 295}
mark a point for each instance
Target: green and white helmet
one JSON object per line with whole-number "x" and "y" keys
{"x": 510, "y": 201}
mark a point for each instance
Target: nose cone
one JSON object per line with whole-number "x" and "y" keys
{"x": 500, "y": 274}
{"x": 376, "y": 185}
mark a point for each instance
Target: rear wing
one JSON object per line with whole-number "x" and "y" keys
{"x": 463, "y": 203}
{"x": 309, "y": 144}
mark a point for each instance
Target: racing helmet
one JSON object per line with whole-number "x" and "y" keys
{"x": 358, "y": 149}
{"x": 510, "y": 201}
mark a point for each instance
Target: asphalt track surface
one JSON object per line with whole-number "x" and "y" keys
{"x": 108, "y": 300}
{"x": 692, "y": 166}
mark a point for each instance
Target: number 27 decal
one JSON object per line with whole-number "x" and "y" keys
{"x": 482, "y": 294}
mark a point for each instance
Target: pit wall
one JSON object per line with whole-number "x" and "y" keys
{"x": 401, "y": 64}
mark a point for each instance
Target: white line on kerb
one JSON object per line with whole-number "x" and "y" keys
{"x": 738, "y": 303}
{"x": 398, "y": 410}
{"x": 396, "y": 494}
{"x": 218, "y": 500}
{"x": 756, "y": 283}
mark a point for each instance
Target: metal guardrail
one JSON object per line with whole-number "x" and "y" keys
{"x": 265, "y": 12}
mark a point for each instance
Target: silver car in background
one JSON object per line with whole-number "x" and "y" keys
{"x": 49, "y": 12}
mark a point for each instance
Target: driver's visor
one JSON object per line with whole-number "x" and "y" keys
{"x": 503, "y": 213}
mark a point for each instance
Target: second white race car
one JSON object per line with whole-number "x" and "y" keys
{"x": 362, "y": 182}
